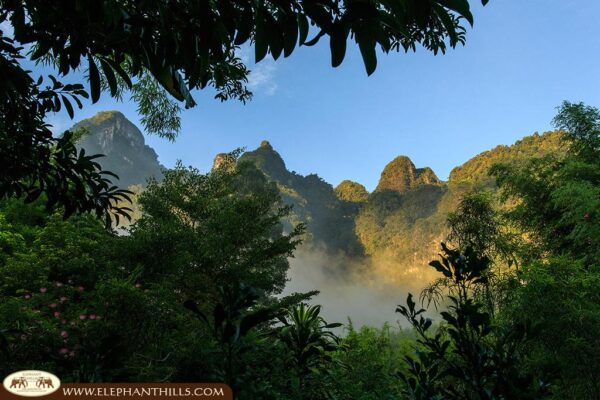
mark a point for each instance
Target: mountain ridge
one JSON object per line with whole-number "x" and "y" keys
{"x": 400, "y": 223}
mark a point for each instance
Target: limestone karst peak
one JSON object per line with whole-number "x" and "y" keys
{"x": 123, "y": 144}
{"x": 401, "y": 175}
{"x": 351, "y": 191}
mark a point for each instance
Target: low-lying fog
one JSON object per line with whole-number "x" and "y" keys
{"x": 368, "y": 297}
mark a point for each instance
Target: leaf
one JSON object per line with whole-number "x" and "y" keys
{"x": 251, "y": 321}
{"x": 410, "y": 302}
{"x": 166, "y": 77}
{"x": 438, "y": 266}
{"x": 110, "y": 77}
{"x": 337, "y": 43}
{"x": 427, "y": 324}
{"x": 303, "y": 28}
{"x": 261, "y": 44}
{"x": 245, "y": 27}
{"x": 367, "y": 50}
{"x": 460, "y": 6}
{"x": 116, "y": 67}
{"x": 68, "y": 106}
{"x": 276, "y": 37}
{"x": 41, "y": 49}
{"x": 94, "y": 77}
{"x": 76, "y": 99}
{"x": 290, "y": 37}
{"x": 447, "y": 22}
{"x": 55, "y": 84}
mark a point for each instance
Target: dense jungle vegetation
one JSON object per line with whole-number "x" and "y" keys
{"x": 190, "y": 293}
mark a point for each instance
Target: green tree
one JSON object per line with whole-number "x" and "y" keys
{"x": 470, "y": 358}
{"x": 309, "y": 344}
{"x": 555, "y": 204}
{"x": 234, "y": 324}
{"x": 199, "y": 231}
{"x": 367, "y": 361}
{"x": 558, "y": 197}
{"x": 95, "y": 306}
{"x": 74, "y": 309}
{"x": 477, "y": 224}
{"x": 561, "y": 297}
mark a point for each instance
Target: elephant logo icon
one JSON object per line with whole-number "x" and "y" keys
{"x": 31, "y": 383}
{"x": 44, "y": 382}
{"x": 21, "y": 382}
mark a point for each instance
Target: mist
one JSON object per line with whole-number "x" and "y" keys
{"x": 364, "y": 290}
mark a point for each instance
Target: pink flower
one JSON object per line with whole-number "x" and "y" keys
{"x": 63, "y": 299}
{"x": 586, "y": 216}
{"x": 56, "y": 314}
{"x": 63, "y": 350}
{"x": 53, "y": 305}
{"x": 82, "y": 317}
{"x": 64, "y": 334}
{"x": 43, "y": 290}
{"x": 138, "y": 285}
{"x": 27, "y": 296}
{"x": 92, "y": 316}
{"x": 63, "y": 321}
{"x": 81, "y": 288}
{"x": 72, "y": 354}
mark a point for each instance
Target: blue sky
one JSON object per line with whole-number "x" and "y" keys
{"x": 521, "y": 60}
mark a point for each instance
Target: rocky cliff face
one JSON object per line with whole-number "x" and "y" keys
{"x": 329, "y": 220}
{"x": 122, "y": 143}
{"x": 270, "y": 163}
{"x": 401, "y": 175}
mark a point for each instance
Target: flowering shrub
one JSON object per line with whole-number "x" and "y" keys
{"x": 76, "y": 311}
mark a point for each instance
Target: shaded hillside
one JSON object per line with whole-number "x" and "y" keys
{"x": 329, "y": 220}
{"x": 122, "y": 143}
